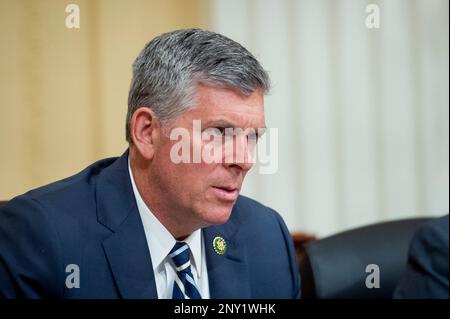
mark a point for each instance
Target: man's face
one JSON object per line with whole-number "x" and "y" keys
{"x": 203, "y": 194}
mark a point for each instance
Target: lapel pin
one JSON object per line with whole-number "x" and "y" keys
{"x": 219, "y": 245}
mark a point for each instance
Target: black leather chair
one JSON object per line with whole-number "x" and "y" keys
{"x": 335, "y": 267}
{"x": 2, "y": 203}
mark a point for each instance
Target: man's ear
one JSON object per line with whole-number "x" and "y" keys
{"x": 145, "y": 131}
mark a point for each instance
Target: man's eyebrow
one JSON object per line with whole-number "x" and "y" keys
{"x": 219, "y": 123}
{"x": 226, "y": 124}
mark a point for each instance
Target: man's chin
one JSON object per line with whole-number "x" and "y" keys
{"x": 218, "y": 216}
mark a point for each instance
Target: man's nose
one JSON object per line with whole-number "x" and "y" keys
{"x": 239, "y": 151}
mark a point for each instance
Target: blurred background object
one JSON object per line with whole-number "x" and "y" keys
{"x": 362, "y": 114}
{"x": 361, "y": 263}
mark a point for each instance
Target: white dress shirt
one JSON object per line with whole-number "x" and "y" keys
{"x": 160, "y": 242}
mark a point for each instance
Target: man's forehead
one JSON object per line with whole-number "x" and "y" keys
{"x": 227, "y": 97}
{"x": 217, "y": 104}
{"x": 237, "y": 117}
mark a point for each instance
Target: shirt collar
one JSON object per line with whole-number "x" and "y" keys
{"x": 160, "y": 241}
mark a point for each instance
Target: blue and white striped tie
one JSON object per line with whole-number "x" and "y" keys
{"x": 184, "y": 286}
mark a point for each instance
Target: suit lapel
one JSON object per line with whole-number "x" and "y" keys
{"x": 227, "y": 274}
{"x": 126, "y": 249}
{"x": 130, "y": 261}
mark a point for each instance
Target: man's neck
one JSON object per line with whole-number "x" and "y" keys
{"x": 155, "y": 201}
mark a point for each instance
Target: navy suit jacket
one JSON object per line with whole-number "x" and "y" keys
{"x": 426, "y": 274}
{"x": 91, "y": 220}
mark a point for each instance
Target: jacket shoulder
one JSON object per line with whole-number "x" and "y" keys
{"x": 65, "y": 193}
{"x": 263, "y": 227}
{"x": 248, "y": 209}
{"x": 430, "y": 245}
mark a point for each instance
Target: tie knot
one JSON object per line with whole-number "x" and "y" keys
{"x": 180, "y": 257}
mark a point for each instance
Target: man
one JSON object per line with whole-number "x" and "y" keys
{"x": 427, "y": 272}
{"x": 146, "y": 225}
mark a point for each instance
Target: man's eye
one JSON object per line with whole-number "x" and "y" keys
{"x": 218, "y": 131}
{"x": 252, "y": 136}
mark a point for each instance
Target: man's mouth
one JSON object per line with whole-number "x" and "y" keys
{"x": 226, "y": 193}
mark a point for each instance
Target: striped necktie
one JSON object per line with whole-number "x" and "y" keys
{"x": 184, "y": 286}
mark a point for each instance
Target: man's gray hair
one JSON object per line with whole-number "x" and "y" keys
{"x": 169, "y": 68}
